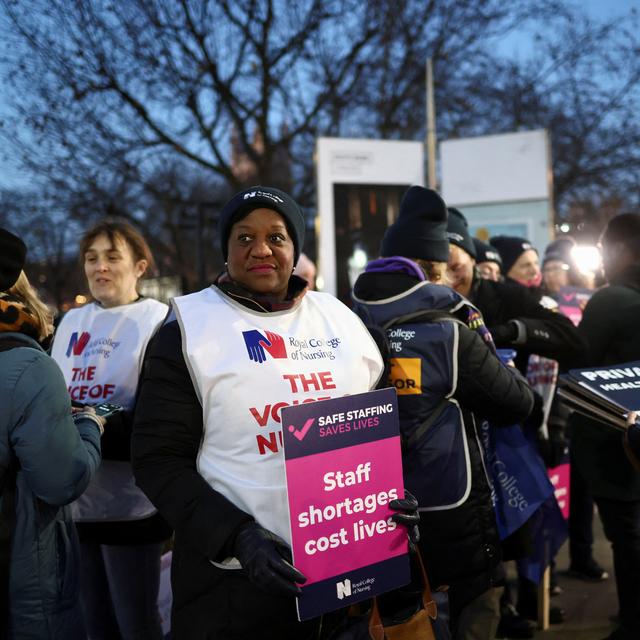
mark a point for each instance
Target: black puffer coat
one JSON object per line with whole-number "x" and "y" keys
{"x": 516, "y": 319}
{"x": 461, "y": 546}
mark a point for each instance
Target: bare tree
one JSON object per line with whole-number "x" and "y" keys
{"x": 50, "y": 237}
{"x": 158, "y": 109}
{"x": 582, "y": 84}
{"x": 125, "y": 87}
{"x": 150, "y": 81}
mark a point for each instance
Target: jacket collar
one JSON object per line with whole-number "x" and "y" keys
{"x": 264, "y": 303}
{"x": 20, "y": 338}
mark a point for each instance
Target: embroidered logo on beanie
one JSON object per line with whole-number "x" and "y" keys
{"x": 263, "y": 194}
{"x": 257, "y": 197}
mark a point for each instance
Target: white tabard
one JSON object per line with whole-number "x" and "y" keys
{"x": 246, "y": 365}
{"x": 100, "y": 353}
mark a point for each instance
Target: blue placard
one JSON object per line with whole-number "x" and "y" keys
{"x": 618, "y": 383}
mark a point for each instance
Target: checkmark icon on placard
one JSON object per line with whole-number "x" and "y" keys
{"x": 301, "y": 433}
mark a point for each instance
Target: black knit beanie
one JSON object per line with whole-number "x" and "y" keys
{"x": 244, "y": 202}
{"x": 458, "y": 232}
{"x": 420, "y": 229}
{"x": 486, "y": 253}
{"x": 560, "y": 250}
{"x": 510, "y": 249}
{"x": 12, "y": 255}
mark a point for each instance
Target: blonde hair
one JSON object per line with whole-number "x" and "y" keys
{"x": 42, "y": 316}
{"x": 436, "y": 272}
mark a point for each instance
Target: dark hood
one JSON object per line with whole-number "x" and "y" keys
{"x": 385, "y": 289}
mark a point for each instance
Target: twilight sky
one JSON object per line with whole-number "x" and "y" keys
{"x": 517, "y": 44}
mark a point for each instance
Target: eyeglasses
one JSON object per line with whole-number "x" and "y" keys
{"x": 555, "y": 268}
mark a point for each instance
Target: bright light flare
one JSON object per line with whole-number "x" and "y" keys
{"x": 587, "y": 259}
{"x": 359, "y": 259}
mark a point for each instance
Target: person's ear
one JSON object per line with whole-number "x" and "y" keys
{"x": 141, "y": 267}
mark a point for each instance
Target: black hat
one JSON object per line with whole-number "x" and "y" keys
{"x": 420, "y": 229}
{"x": 486, "y": 253}
{"x": 244, "y": 202}
{"x": 560, "y": 250}
{"x": 458, "y": 232}
{"x": 510, "y": 249}
{"x": 12, "y": 255}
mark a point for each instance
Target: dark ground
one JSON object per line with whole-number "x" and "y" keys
{"x": 587, "y": 605}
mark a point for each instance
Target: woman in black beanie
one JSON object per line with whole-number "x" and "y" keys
{"x": 205, "y": 445}
{"x": 447, "y": 377}
{"x": 488, "y": 260}
{"x": 520, "y": 260}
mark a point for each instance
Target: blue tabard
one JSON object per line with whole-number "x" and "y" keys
{"x": 437, "y": 467}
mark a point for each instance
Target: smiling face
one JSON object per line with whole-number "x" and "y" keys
{"x": 526, "y": 269}
{"x": 460, "y": 270}
{"x": 260, "y": 253}
{"x": 489, "y": 270}
{"x": 111, "y": 271}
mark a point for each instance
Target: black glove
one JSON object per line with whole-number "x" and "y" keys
{"x": 407, "y": 516}
{"x": 267, "y": 560}
{"x": 504, "y": 334}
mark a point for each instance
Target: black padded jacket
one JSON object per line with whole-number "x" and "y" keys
{"x": 461, "y": 546}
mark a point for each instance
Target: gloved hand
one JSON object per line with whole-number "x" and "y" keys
{"x": 408, "y": 516}
{"x": 504, "y": 334}
{"x": 267, "y": 560}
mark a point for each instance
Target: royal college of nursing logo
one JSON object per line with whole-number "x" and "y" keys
{"x": 257, "y": 344}
{"x": 77, "y": 344}
{"x": 343, "y": 589}
{"x": 82, "y": 345}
